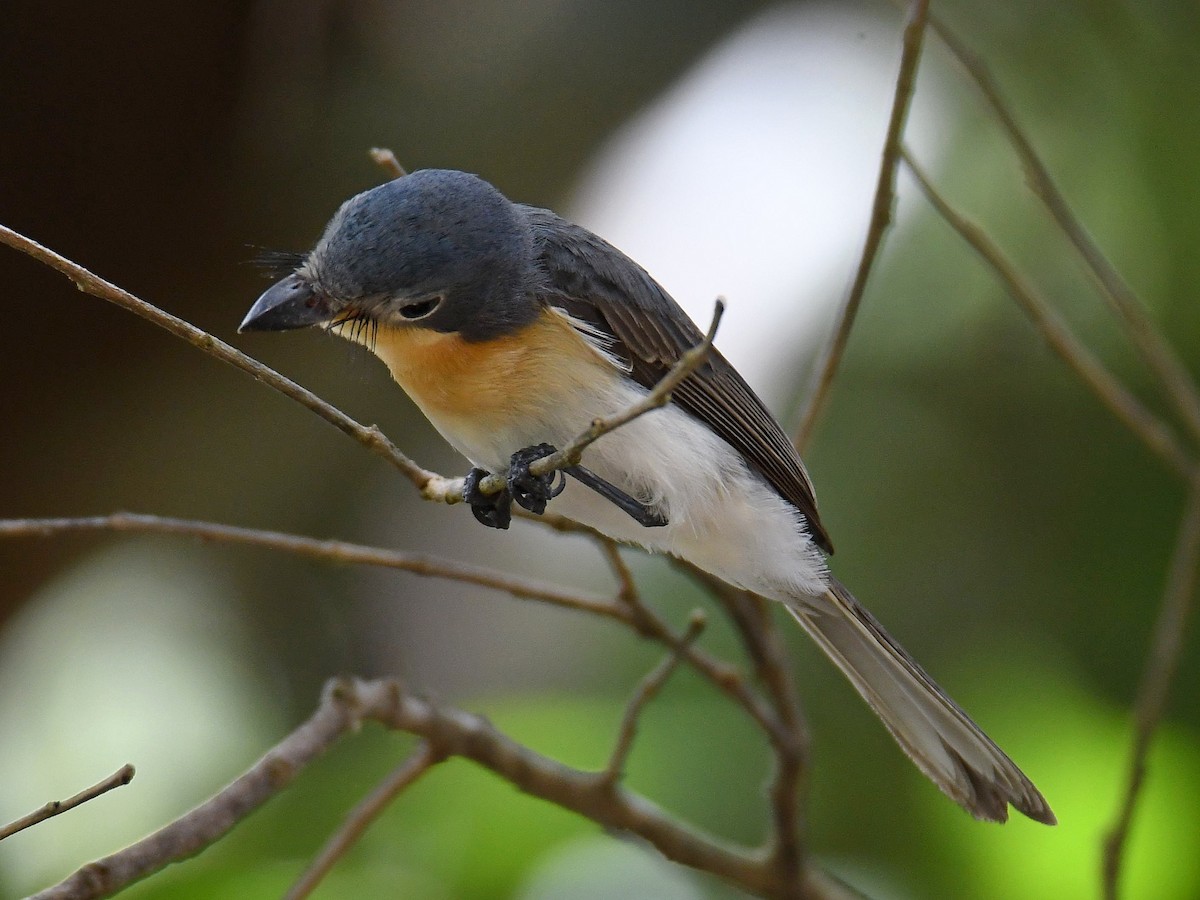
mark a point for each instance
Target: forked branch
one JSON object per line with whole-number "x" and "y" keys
{"x": 1149, "y": 428}
{"x": 367, "y": 811}
{"x": 447, "y": 733}
{"x": 1176, "y": 381}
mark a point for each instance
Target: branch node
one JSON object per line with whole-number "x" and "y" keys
{"x": 341, "y": 692}
{"x": 121, "y": 777}
{"x": 279, "y": 771}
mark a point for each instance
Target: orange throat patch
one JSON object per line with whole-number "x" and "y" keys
{"x": 488, "y": 383}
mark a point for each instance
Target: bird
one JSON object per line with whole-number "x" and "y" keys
{"x": 513, "y": 329}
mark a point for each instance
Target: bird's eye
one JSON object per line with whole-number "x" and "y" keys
{"x": 421, "y": 308}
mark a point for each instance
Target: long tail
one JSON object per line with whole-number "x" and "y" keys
{"x": 942, "y": 740}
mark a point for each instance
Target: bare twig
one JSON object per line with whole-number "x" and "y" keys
{"x": 386, "y": 160}
{"x": 1177, "y": 383}
{"x": 1149, "y": 341}
{"x": 788, "y": 782}
{"x": 646, "y": 691}
{"x": 1151, "y": 430}
{"x": 721, "y": 674}
{"x": 366, "y": 812}
{"x": 627, "y": 589}
{"x": 658, "y": 397}
{"x": 1161, "y": 664}
{"x": 614, "y": 807}
{"x": 448, "y": 732}
{"x": 881, "y": 219}
{"x": 751, "y": 615}
{"x": 212, "y": 819}
{"x": 341, "y": 552}
{"x": 122, "y": 776}
{"x": 634, "y": 614}
{"x": 429, "y": 483}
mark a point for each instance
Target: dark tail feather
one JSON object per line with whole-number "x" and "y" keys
{"x": 941, "y": 739}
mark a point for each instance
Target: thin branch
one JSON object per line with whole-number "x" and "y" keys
{"x": 122, "y": 776}
{"x": 212, "y": 819}
{"x": 432, "y": 486}
{"x": 1161, "y": 664}
{"x": 646, "y": 691}
{"x": 636, "y": 615}
{"x": 783, "y": 721}
{"x": 613, "y": 806}
{"x": 1176, "y": 379}
{"x": 429, "y": 483}
{"x": 341, "y": 552}
{"x": 345, "y": 704}
{"x": 722, "y": 675}
{"x": 881, "y": 219}
{"x": 1151, "y": 430}
{"x": 751, "y": 615}
{"x": 366, "y": 812}
{"x": 658, "y": 397}
{"x": 627, "y": 589}
{"x": 386, "y": 160}
{"x": 788, "y": 783}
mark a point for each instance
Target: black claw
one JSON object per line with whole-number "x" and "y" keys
{"x": 533, "y": 491}
{"x": 492, "y": 510}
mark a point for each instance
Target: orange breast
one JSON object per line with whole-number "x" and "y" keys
{"x": 490, "y": 381}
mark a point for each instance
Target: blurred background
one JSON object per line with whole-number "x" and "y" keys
{"x": 1009, "y": 532}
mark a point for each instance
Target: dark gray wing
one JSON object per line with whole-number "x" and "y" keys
{"x": 595, "y": 282}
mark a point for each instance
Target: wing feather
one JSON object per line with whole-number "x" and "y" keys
{"x": 595, "y": 283}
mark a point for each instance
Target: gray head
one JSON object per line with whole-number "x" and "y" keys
{"x": 436, "y": 249}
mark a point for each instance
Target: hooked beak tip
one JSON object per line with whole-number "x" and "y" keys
{"x": 289, "y": 303}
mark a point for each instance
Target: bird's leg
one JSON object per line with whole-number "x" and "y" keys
{"x": 492, "y": 510}
{"x": 533, "y": 491}
{"x": 644, "y": 515}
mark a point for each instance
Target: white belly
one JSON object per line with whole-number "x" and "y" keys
{"x": 721, "y": 516}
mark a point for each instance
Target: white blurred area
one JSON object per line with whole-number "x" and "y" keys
{"x": 752, "y": 178}
{"x": 600, "y": 868}
{"x": 135, "y": 655}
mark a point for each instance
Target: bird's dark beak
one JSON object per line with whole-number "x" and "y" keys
{"x": 290, "y": 303}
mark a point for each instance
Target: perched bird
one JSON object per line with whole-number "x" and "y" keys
{"x": 513, "y": 329}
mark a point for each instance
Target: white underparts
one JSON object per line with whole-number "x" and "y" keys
{"x": 722, "y": 517}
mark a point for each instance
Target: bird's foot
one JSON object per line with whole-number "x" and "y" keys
{"x": 531, "y": 491}
{"x": 492, "y": 510}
